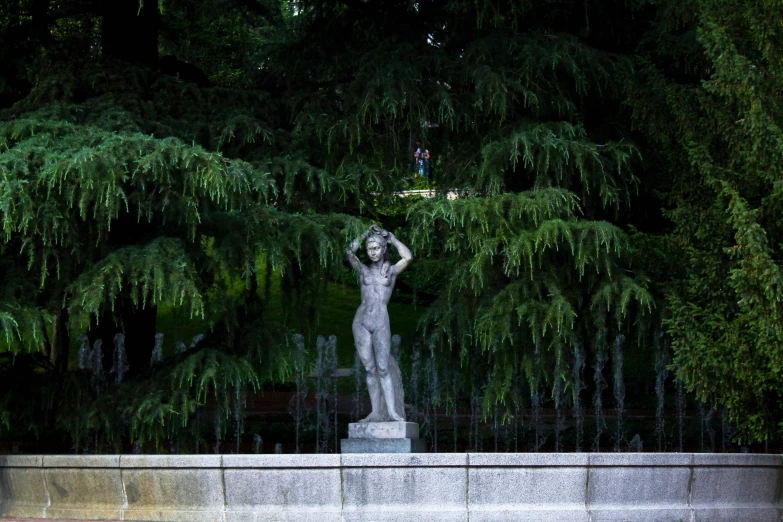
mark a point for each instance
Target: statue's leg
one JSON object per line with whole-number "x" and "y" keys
{"x": 381, "y": 342}
{"x": 363, "y": 341}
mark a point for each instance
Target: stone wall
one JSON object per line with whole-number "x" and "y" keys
{"x": 482, "y": 487}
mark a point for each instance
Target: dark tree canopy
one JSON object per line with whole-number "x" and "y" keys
{"x": 178, "y": 154}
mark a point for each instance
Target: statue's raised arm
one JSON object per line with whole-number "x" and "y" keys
{"x": 405, "y": 254}
{"x": 350, "y": 252}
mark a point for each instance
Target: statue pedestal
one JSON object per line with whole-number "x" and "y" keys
{"x": 383, "y": 437}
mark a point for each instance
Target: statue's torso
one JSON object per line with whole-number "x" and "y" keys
{"x": 376, "y": 290}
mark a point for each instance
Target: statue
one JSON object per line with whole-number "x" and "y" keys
{"x": 371, "y": 330}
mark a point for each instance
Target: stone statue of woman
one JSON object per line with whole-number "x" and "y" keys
{"x": 371, "y": 331}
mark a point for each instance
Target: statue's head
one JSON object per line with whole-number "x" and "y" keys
{"x": 377, "y": 244}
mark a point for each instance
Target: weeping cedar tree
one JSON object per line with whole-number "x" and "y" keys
{"x": 709, "y": 100}
{"x": 529, "y": 269}
{"x": 125, "y": 189}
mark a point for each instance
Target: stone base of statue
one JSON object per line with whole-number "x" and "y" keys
{"x": 383, "y": 437}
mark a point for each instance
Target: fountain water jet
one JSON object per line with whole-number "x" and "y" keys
{"x": 431, "y": 391}
{"x": 660, "y": 380}
{"x": 326, "y": 364}
{"x": 414, "y": 382}
{"x": 95, "y": 366}
{"x": 454, "y": 395}
{"x": 517, "y": 397}
{"x": 535, "y": 400}
{"x": 601, "y": 357}
{"x": 331, "y": 344}
{"x": 495, "y": 428}
{"x": 578, "y": 376}
{"x": 559, "y": 400}
{"x": 475, "y": 414}
{"x": 196, "y": 339}
{"x": 218, "y": 432}
{"x": 680, "y": 411}
{"x": 85, "y": 360}
{"x": 619, "y": 389}
{"x": 706, "y": 413}
{"x": 359, "y": 388}
{"x": 157, "y": 351}
{"x": 297, "y": 407}
{"x": 120, "y": 361}
{"x": 239, "y": 417}
{"x": 435, "y": 386}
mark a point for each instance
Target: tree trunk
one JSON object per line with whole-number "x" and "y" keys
{"x": 59, "y": 349}
{"x": 129, "y": 32}
{"x": 139, "y": 326}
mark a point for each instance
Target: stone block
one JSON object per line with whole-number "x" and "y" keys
{"x": 22, "y": 491}
{"x": 739, "y": 487}
{"x": 383, "y": 446}
{"x": 432, "y": 460}
{"x": 281, "y": 461}
{"x": 638, "y": 487}
{"x": 265, "y": 488}
{"x": 92, "y": 493}
{"x": 527, "y": 492}
{"x": 171, "y": 461}
{"x": 194, "y": 494}
{"x": 286, "y": 492}
{"x": 383, "y": 430}
{"x": 411, "y": 492}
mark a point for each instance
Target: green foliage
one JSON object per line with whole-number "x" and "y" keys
{"x": 159, "y": 408}
{"x": 223, "y": 37}
{"x": 122, "y": 190}
{"x": 530, "y": 279}
{"x": 711, "y": 105}
{"x": 23, "y": 328}
{"x": 125, "y": 187}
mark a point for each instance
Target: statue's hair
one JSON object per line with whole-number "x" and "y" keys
{"x": 380, "y": 236}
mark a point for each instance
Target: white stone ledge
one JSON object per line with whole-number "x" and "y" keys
{"x": 81, "y": 461}
{"x": 404, "y": 460}
{"x": 280, "y": 461}
{"x": 391, "y": 487}
{"x": 171, "y": 461}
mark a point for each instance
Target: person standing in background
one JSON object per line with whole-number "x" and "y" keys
{"x": 424, "y": 156}
{"x": 421, "y": 160}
